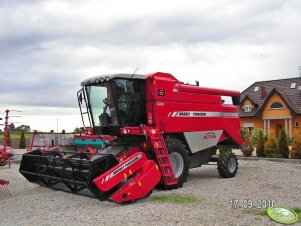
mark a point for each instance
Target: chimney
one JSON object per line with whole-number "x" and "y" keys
{"x": 263, "y": 92}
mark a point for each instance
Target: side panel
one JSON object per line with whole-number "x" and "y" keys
{"x": 120, "y": 172}
{"x": 198, "y": 141}
{"x": 189, "y": 110}
{"x": 202, "y": 157}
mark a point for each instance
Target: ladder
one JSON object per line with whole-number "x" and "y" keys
{"x": 81, "y": 97}
{"x": 162, "y": 155}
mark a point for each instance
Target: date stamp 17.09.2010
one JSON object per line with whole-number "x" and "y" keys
{"x": 252, "y": 204}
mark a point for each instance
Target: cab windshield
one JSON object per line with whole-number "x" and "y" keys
{"x": 102, "y": 104}
{"x": 118, "y": 102}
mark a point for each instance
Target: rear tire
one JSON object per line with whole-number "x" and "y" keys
{"x": 227, "y": 165}
{"x": 180, "y": 161}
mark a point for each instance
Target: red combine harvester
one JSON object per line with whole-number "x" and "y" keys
{"x": 163, "y": 128}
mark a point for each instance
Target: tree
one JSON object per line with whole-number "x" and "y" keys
{"x": 8, "y": 138}
{"x": 22, "y": 144}
{"x": 63, "y": 131}
{"x": 77, "y": 130}
{"x": 254, "y": 137}
{"x": 296, "y": 148}
{"x": 11, "y": 126}
{"x": 24, "y": 128}
{"x": 260, "y": 145}
{"x": 270, "y": 146}
{"x": 52, "y": 131}
{"x": 282, "y": 144}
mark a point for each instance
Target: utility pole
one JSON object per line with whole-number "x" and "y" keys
{"x": 299, "y": 71}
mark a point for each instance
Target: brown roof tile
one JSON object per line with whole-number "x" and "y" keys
{"x": 292, "y": 96}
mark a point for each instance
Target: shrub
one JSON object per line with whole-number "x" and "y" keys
{"x": 248, "y": 153}
{"x": 254, "y": 137}
{"x": 270, "y": 147}
{"x": 290, "y": 141}
{"x": 260, "y": 145}
{"x": 266, "y": 137}
{"x": 224, "y": 150}
{"x": 243, "y": 133}
{"x": 295, "y": 152}
{"x": 282, "y": 144}
{"x": 22, "y": 140}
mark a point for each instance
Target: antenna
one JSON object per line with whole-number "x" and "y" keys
{"x": 135, "y": 72}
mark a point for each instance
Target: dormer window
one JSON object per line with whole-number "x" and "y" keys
{"x": 248, "y": 108}
{"x": 293, "y": 85}
{"x": 256, "y": 89}
{"x": 276, "y": 105}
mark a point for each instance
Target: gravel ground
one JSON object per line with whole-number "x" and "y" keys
{"x": 32, "y": 204}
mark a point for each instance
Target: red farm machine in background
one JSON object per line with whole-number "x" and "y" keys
{"x": 6, "y": 152}
{"x": 162, "y": 128}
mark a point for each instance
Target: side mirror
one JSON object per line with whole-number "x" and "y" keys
{"x": 80, "y": 98}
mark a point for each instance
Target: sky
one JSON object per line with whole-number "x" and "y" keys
{"x": 47, "y": 47}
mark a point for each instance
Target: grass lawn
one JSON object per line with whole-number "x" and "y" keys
{"x": 175, "y": 198}
{"x": 16, "y": 135}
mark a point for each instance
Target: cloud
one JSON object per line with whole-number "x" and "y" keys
{"x": 138, "y": 23}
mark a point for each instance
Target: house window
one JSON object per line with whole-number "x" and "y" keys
{"x": 256, "y": 89}
{"x": 293, "y": 85}
{"x": 248, "y": 108}
{"x": 297, "y": 124}
{"x": 276, "y": 105}
{"x": 249, "y": 125}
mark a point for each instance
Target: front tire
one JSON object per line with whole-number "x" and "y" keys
{"x": 180, "y": 161}
{"x": 227, "y": 165}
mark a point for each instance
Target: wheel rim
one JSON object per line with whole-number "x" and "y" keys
{"x": 231, "y": 165}
{"x": 177, "y": 163}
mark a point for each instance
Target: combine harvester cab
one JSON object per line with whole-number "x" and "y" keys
{"x": 158, "y": 127}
